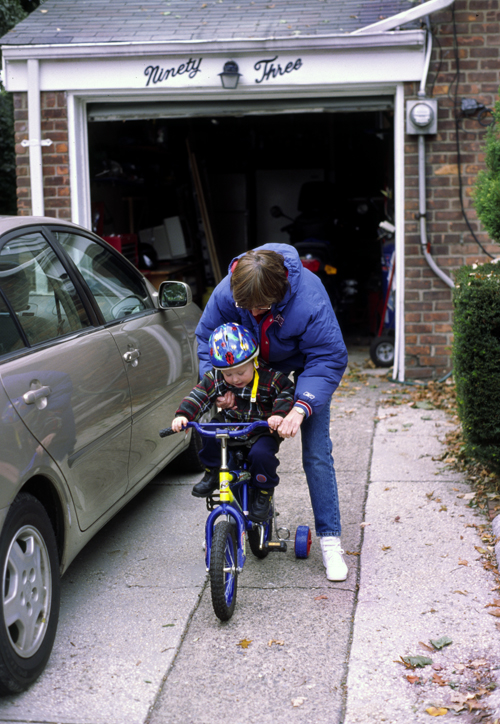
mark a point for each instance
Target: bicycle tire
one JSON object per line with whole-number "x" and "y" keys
{"x": 254, "y": 540}
{"x": 223, "y": 583}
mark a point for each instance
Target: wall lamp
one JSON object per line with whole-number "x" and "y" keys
{"x": 230, "y": 74}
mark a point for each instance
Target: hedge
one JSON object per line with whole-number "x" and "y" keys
{"x": 476, "y": 357}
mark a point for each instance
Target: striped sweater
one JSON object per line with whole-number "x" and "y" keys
{"x": 274, "y": 396}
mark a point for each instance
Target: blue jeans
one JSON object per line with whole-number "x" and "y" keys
{"x": 320, "y": 474}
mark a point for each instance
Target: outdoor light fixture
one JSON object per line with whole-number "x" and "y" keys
{"x": 230, "y": 74}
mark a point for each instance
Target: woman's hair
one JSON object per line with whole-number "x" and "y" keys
{"x": 259, "y": 279}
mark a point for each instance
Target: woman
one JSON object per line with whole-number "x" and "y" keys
{"x": 286, "y": 307}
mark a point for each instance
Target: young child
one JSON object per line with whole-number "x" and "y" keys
{"x": 261, "y": 394}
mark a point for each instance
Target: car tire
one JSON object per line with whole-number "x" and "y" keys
{"x": 29, "y": 563}
{"x": 382, "y": 351}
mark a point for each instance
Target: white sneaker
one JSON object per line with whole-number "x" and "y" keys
{"x": 336, "y": 569}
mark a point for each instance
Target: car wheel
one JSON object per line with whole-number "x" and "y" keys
{"x": 382, "y": 351}
{"x": 30, "y": 593}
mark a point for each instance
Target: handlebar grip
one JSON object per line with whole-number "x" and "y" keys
{"x": 166, "y": 432}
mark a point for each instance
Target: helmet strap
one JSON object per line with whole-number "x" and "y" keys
{"x": 255, "y": 385}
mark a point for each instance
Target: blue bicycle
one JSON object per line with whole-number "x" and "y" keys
{"x": 225, "y": 540}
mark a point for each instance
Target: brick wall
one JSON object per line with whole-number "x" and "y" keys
{"x": 428, "y": 301}
{"x": 55, "y": 158}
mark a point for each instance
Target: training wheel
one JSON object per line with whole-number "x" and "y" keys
{"x": 303, "y": 541}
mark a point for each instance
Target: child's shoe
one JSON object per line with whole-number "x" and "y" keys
{"x": 208, "y": 483}
{"x": 336, "y": 569}
{"x": 259, "y": 509}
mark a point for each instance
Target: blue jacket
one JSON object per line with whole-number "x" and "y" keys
{"x": 301, "y": 332}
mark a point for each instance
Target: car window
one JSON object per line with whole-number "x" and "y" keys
{"x": 10, "y": 336}
{"x": 39, "y": 290}
{"x": 116, "y": 289}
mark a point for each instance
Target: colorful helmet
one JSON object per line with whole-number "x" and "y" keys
{"x": 231, "y": 345}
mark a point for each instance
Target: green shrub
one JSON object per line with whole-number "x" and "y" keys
{"x": 476, "y": 357}
{"x": 486, "y": 194}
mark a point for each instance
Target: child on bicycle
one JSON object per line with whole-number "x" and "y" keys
{"x": 261, "y": 393}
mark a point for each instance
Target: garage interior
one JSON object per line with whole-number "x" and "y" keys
{"x": 210, "y": 175}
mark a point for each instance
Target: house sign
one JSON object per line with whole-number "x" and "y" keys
{"x": 266, "y": 69}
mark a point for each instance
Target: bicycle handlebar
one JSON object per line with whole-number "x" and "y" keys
{"x": 212, "y": 429}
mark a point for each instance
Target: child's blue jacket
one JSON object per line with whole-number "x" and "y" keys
{"x": 300, "y": 334}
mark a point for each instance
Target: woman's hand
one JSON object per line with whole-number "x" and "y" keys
{"x": 179, "y": 423}
{"x": 227, "y": 401}
{"x": 290, "y": 424}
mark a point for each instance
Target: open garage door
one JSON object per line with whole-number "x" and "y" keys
{"x": 330, "y": 158}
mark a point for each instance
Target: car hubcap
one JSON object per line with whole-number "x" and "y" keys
{"x": 26, "y": 591}
{"x": 385, "y": 352}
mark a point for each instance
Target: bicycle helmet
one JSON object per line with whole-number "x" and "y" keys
{"x": 231, "y": 345}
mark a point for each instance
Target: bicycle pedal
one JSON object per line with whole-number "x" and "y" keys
{"x": 276, "y": 545}
{"x": 213, "y": 501}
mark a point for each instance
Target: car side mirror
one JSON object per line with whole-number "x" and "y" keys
{"x": 174, "y": 294}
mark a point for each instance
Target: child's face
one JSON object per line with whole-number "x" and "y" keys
{"x": 241, "y": 376}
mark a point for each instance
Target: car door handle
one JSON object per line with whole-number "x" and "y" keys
{"x": 132, "y": 356}
{"x": 33, "y": 396}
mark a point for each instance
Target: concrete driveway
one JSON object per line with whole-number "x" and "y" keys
{"x": 138, "y": 642}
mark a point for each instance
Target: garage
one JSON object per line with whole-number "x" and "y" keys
{"x": 190, "y": 185}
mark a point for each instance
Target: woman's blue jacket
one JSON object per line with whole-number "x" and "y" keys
{"x": 300, "y": 334}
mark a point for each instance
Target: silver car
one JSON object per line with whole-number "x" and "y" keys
{"x": 93, "y": 362}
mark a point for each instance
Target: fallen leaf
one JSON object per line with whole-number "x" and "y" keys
{"x": 412, "y": 678}
{"x": 244, "y": 643}
{"x": 299, "y": 701}
{"x": 464, "y": 593}
{"x": 318, "y": 598}
{"x": 414, "y": 661}
{"x": 386, "y": 548}
{"x": 441, "y": 643}
{"x": 438, "y": 680}
{"x": 496, "y": 602}
{"x": 496, "y": 612}
{"x": 481, "y": 550}
{"x": 434, "y": 711}
{"x": 352, "y": 553}
{"x": 437, "y": 667}
{"x": 276, "y": 643}
{"x": 363, "y": 525}
{"x": 477, "y": 663}
{"x": 429, "y": 648}
{"x": 462, "y": 563}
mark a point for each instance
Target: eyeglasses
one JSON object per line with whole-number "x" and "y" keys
{"x": 259, "y": 309}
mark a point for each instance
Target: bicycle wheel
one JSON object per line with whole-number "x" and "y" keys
{"x": 254, "y": 539}
{"x": 223, "y": 573}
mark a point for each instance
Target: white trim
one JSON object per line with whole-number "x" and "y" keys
{"x": 407, "y": 16}
{"x": 399, "y": 220}
{"x": 79, "y": 162}
{"x": 35, "y": 134}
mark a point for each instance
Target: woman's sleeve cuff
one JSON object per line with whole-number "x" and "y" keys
{"x": 303, "y": 406}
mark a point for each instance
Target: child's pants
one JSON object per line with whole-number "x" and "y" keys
{"x": 261, "y": 457}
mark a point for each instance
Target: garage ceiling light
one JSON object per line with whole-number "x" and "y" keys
{"x": 230, "y": 74}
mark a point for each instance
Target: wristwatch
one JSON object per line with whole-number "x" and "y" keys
{"x": 300, "y": 410}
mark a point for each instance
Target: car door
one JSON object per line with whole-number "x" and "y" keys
{"x": 153, "y": 344}
{"x": 64, "y": 374}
